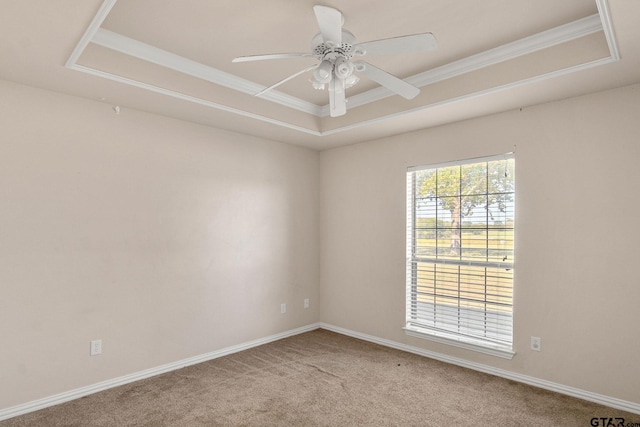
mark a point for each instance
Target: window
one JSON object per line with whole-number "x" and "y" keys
{"x": 460, "y": 228}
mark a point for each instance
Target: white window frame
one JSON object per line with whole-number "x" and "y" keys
{"x": 415, "y": 326}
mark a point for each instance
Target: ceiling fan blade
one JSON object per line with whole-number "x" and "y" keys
{"x": 337, "y": 101}
{"x": 330, "y": 23}
{"x": 387, "y": 80}
{"x": 270, "y": 56}
{"x": 293, "y": 76}
{"x": 405, "y": 44}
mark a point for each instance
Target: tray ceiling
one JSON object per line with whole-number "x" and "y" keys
{"x": 174, "y": 58}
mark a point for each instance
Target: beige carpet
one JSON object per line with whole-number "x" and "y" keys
{"x": 322, "y": 378}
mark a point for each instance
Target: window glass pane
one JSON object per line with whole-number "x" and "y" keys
{"x": 461, "y": 247}
{"x": 501, "y": 176}
{"x": 448, "y": 181}
{"x": 473, "y": 179}
{"x": 500, "y": 228}
{"x": 474, "y": 244}
{"x": 448, "y": 236}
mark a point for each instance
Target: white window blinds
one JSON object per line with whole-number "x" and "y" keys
{"x": 460, "y": 228}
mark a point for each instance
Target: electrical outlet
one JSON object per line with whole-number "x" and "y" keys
{"x": 96, "y": 347}
{"x": 283, "y": 308}
{"x": 306, "y": 303}
{"x": 536, "y": 343}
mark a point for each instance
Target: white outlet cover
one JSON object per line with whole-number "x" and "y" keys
{"x": 96, "y": 347}
{"x": 536, "y": 343}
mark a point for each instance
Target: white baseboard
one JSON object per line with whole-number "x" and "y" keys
{"x": 105, "y": 385}
{"x": 548, "y": 385}
{"x": 57, "y": 399}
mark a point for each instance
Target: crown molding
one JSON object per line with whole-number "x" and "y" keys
{"x": 474, "y": 95}
{"x": 527, "y": 45}
{"x": 558, "y": 35}
{"x": 607, "y": 26}
{"x": 94, "y": 26}
{"x": 192, "y": 99}
{"x": 154, "y": 55}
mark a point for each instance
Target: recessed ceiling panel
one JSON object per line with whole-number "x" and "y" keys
{"x": 184, "y": 51}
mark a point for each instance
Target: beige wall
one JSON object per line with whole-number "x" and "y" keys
{"x": 164, "y": 239}
{"x": 576, "y": 284}
{"x": 169, "y": 240}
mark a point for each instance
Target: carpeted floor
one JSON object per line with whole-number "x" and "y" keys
{"x": 321, "y": 378}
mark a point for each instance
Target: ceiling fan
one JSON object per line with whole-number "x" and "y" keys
{"x": 335, "y": 48}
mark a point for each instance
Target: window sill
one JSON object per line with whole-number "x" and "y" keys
{"x": 442, "y": 338}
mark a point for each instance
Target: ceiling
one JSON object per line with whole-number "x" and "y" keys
{"x": 174, "y": 59}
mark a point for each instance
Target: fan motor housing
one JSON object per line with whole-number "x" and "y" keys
{"x": 329, "y": 50}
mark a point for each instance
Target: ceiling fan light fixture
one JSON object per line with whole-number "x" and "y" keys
{"x": 322, "y": 74}
{"x": 343, "y": 68}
